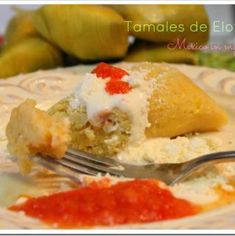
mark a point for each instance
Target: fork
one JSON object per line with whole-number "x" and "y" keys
{"x": 76, "y": 162}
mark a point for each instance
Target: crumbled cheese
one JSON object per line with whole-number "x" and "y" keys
{"x": 166, "y": 150}
{"x": 201, "y": 189}
{"x": 227, "y": 169}
{"x": 21, "y": 200}
{"x": 112, "y": 140}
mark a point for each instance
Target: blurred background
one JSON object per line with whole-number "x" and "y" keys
{"x": 221, "y": 12}
{"x": 66, "y": 36}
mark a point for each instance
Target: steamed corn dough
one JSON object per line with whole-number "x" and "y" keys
{"x": 98, "y": 140}
{"x": 89, "y": 32}
{"x": 176, "y": 107}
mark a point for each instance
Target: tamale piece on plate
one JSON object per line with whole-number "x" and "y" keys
{"x": 88, "y": 32}
{"x": 104, "y": 118}
{"x": 28, "y": 55}
{"x": 175, "y": 106}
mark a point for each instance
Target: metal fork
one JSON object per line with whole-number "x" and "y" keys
{"x": 76, "y": 162}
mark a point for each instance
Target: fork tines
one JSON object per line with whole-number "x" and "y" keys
{"x": 75, "y": 162}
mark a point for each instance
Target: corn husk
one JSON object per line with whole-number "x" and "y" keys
{"x": 152, "y": 52}
{"x": 165, "y": 14}
{"x": 88, "y": 32}
{"x": 20, "y": 26}
{"x": 28, "y": 55}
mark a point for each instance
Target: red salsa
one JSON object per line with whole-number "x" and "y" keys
{"x": 103, "y": 204}
{"x": 115, "y": 85}
{"x": 104, "y": 70}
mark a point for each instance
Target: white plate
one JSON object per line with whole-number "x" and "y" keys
{"x": 54, "y": 85}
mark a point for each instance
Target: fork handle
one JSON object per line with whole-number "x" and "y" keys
{"x": 189, "y": 167}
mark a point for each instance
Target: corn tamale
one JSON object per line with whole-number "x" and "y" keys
{"x": 28, "y": 55}
{"x": 88, "y": 32}
{"x": 155, "y": 22}
{"x": 20, "y": 26}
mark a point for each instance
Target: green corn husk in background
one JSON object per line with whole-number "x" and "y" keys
{"x": 88, "y": 32}
{"x": 163, "y": 14}
{"x": 152, "y": 52}
{"x": 28, "y": 55}
{"x": 20, "y": 26}
{"x": 225, "y": 60}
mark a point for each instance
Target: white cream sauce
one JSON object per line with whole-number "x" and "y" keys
{"x": 91, "y": 93}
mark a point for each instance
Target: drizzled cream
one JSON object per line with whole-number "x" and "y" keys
{"x": 91, "y": 94}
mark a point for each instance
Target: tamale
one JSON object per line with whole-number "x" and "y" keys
{"x": 28, "y": 55}
{"x": 176, "y": 107}
{"x": 154, "y": 22}
{"x": 88, "y": 32}
{"x": 173, "y": 106}
{"x": 20, "y": 26}
{"x": 152, "y": 52}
